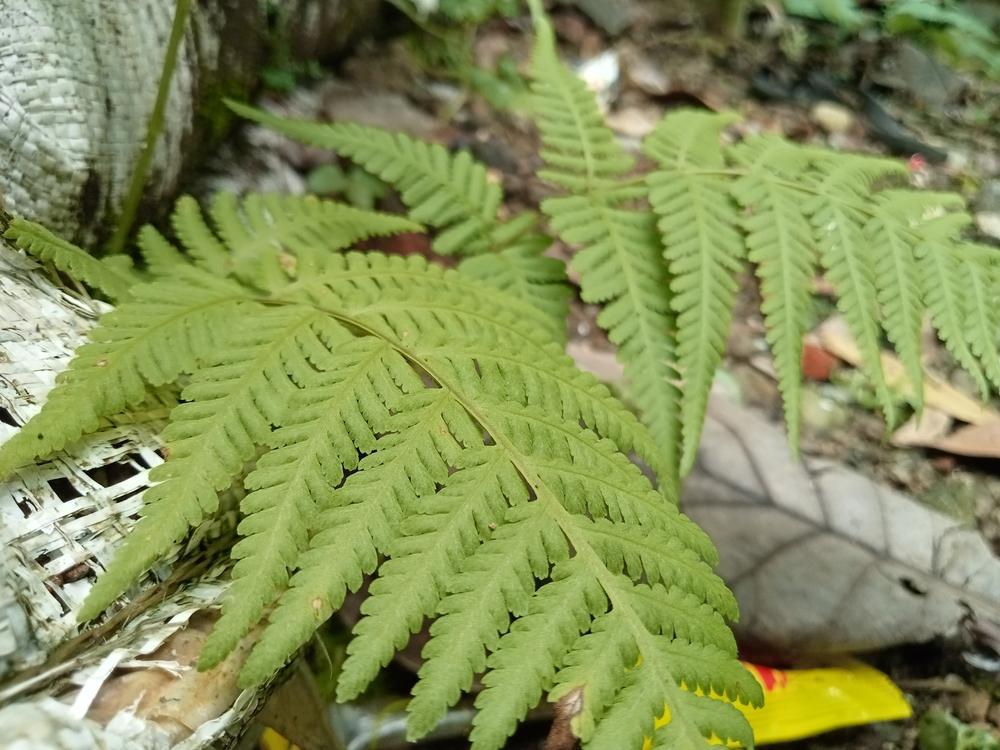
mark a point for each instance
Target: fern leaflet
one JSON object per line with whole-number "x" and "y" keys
{"x": 702, "y": 244}
{"x": 620, "y": 263}
{"x": 113, "y": 277}
{"x": 522, "y": 270}
{"x": 852, "y": 266}
{"x": 980, "y": 280}
{"x": 780, "y": 244}
{"x": 452, "y": 194}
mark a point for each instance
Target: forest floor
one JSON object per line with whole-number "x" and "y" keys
{"x": 776, "y": 79}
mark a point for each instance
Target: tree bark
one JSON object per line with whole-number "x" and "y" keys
{"x": 78, "y": 81}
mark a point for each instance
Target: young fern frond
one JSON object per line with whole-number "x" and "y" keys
{"x": 113, "y": 279}
{"x": 620, "y": 261}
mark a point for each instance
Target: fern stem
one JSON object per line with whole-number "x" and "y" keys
{"x": 153, "y": 129}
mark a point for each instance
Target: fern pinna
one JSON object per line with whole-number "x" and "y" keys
{"x": 393, "y": 424}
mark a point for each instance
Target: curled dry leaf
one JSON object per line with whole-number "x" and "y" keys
{"x": 836, "y": 339}
{"x": 930, "y": 427}
{"x": 823, "y": 559}
{"x": 977, "y": 440}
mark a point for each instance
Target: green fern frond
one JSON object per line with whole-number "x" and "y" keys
{"x": 699, "y": 228}
{"x": 781, "y": 246}
{"x": 620, "y": 262}
{"x": 451, "y": 193}
{"x": 386, "y": 422}
{"x": 112, "y": 280}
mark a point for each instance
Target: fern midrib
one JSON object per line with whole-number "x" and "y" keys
{"x": 453, "y": 285}
{"x": 543, "y": 493}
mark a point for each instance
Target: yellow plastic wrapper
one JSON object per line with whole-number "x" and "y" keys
{"x": 804, "y": 702}
{"x": 797, "y": 703}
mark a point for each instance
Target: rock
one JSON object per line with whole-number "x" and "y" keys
{"x": 634, "y": 122}
{"x": 833, "y": 118}
{"x": 613, "y": 16}
{"x": 817, "y": 363}
{"x": 645, "y": 74}
{"x": 822, "y": 413}
{"x": 344, "y": 103}
{"x": 989, "y": 223}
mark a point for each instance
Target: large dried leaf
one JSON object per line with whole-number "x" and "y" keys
{"x": 822, "y": 559}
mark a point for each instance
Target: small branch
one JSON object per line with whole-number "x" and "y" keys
{"x": 561, "y": 735}
{"x": 153, "y": 129}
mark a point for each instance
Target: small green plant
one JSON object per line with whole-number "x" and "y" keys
{"x": 389, "y": 417}
{"x": 445, "y": 47}
{"x": 940, "y": 25}
{"x": 939, "y": 730}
